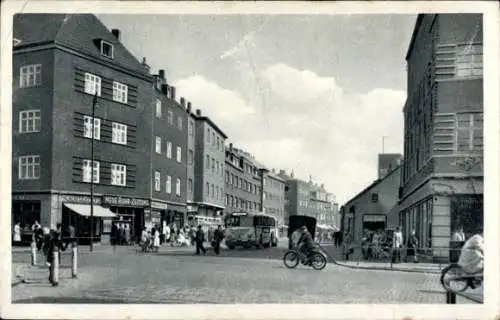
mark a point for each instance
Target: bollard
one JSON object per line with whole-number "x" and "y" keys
{"x": 74, "y": 260}
{"x": 33, "y": 253}
{"x": 54, "y": 267}
{"x": 451, "y": 297}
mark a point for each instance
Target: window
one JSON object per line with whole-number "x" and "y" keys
{"x": 157, "y": 181}
{"x": 120, "y": 91}
{"x": 190, "y": 157}
{"x": 213, "y": 165}
{"x": 87, "y": 172}
{"x": 179, "y": 154}
{"x": 212, "y": 190}
{"x": 213, "y": 138}
{"x": 158, "y": 145}
{"x": 179, "y": 123}
{"x": 218, "y": 143}
{"x": 107, "y": 49}
{"x": 469, "y": 134}
{"x": 87, "y": 128}
{"x": 170, "y": 117}
{"x": 29, "y": 121}
{"x": 191, "y": 128}
{"x": 118, "y": 174}
{"x": 207, "y": 162}
{"x": 30, "y": 76}
{"x": 178, "y": 187}
{"x": 469, "y": 60}
{"x": 169, "y": 149}
{"x": 168, "y": 186}
{"x": 29, "y": 167}
{"x": 217, "y": 192}
{"x": 119, "y": 134}
{"x": 207, "y": 188}
{"x": 208, "y": 135}
{"x": 158, "y": 108}
{"x": 190, "y": 185}
{"x": 92, "y": 84}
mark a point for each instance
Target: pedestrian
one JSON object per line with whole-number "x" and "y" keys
{"x": 218, "y": 236}
{"x": 397, "y": 244}
{"x": 458, "y": 235}
{"x": 121, "y": 234}
{"x": 127, "y": 234}
{"x": 16, "y": 234}
{"x": 348, "y": 248}
{"x": 412, "y": 244}
{"x": 144, "y": 239}
{"x": 156, "y": 239}
{"x": 114, "y": 236}
{"x": 199, "y": 239}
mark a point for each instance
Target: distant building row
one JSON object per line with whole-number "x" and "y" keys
{"x": 156, "y": 161}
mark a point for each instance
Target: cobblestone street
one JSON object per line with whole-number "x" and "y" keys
{"x": 178, "y": 276}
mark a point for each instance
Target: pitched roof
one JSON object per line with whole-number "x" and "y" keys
{"x": 76, "y": 31}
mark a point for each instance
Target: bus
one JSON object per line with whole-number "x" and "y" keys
{"x": 250, "y": 230}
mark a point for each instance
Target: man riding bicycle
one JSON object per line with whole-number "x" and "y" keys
{"x": 305, "y": 243}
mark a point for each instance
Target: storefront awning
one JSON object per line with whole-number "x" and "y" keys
{"x": 84, "y": 210}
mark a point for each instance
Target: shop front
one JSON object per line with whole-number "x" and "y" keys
{"x": 130, "y": 215}
{"x": 374, "y": 222}
{"x": 158, "y": 213}
{"x": 175, "y": 215}
{"x": 26, "y": 212}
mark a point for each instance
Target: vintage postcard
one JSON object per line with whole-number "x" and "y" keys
{"x": 250, "y": 160}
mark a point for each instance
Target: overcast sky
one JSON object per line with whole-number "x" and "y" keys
{"x": 312, "y": 93}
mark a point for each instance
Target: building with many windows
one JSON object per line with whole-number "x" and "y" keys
{"x": 60, "y": 71}
{"x": 273, "y": 196}
{"x": 442, "y": 175}
{"x": 307, "y": 198}
{"x": 169, "y": 156}
{"x": 209, "y": 158}
{"x": 243, "y": 182}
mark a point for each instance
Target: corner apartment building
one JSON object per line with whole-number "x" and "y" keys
{"x": 243, "y": 182}
{"x": 169, "y": 156}
{"x": 209, "y": 157}
{"x": 273, "y": 196}
{"x": 442, "y": 175}
{"x": 61, "y": 63}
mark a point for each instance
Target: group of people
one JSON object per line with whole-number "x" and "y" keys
{"x": 152, "y": 239}
{"x": 120, "y": 234}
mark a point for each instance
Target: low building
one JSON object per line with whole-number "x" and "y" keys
{"x": 371, "y": 209}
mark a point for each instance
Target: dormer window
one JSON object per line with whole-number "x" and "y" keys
{"x": 107, "y": 49}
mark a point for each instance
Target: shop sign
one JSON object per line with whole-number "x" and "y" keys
{"x": 79, "y": 199}
{"x": 158, "y": 205}
{"x": 373, "y": 218}
{"x": 192, "y": 208}
{"x": 123, "y": 201}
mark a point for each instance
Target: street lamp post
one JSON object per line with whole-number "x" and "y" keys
{"x": 94, "y": 102}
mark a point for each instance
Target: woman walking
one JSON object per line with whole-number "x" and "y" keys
{"x": 156, "y": 239}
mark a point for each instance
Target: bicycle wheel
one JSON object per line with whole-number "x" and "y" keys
{"x": 318, "y": 261}
{"x": 291, "y": 259}
{"x": 453, "y": 279}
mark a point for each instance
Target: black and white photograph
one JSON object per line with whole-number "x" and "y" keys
{"x": 219, "y": 157}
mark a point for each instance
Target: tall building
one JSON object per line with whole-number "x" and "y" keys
{"x": 306, "y": 198}
{"x": 387, "y": 162}
{"x": 62, "y": 64}
{"x": 442, "y": 175}
{"x": 169, "y": 156}
{"x": 273, "y": 196}
{"x": 209, "y": 157}
{"x": 243, "y": 182}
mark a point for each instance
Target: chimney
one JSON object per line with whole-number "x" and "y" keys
{"x": 198, "y": 112}
{"x": 231, "y": 146}
{"x": 189, "y": 107}
{"x": 172, "y": 93}
{"x": 144, "y": 64}
{"x": 161, "y": 73}
{"x": 116, "y": 33}
{"x": 183, "y": 102}
{"x": 164, "y": 89}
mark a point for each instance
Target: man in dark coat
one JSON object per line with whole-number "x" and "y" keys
{"x": 199, "y": 238}
{"x": 218, "y": 236}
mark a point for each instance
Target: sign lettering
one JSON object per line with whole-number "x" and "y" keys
{"x": 122, "y": 201}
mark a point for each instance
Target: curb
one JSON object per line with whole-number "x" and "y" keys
{"x": 387, "y": 268}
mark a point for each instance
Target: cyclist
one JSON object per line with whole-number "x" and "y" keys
{"x": 305, "y": 243}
